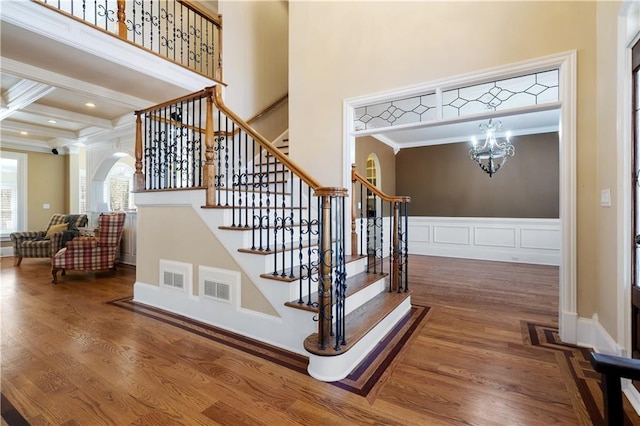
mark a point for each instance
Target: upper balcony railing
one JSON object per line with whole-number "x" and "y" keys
{"x": 177, "y": 30}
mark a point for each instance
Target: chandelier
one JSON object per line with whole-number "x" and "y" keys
{"x": 491, "y": 155}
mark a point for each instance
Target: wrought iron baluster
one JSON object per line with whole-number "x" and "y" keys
{"x": 291, "y": 242}
{"x": 253, "y": 196}
{"x": 300, "y": 241}
{"x": 246, "y": 181}
{"x": 226, "y": 159}
{"x": 406, "y": 247}
{"x": 277, "y": 222}
{"x": 391, "y": 247}
{"x": 380, "y": 225}
{"x": 261, "y": 201}
{"x": 232, "y": 174}
{"x": 268, "y": 202}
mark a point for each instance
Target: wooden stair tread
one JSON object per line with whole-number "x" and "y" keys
{"x": 359, "y": 322}
{"x": 355, "y": 283}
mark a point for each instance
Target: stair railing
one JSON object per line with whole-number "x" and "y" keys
{"x": 177, "y": 30}
{"x": 369, "y": 227}
{"x": 197, "y": 142}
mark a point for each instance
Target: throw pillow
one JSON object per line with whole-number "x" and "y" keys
{"x": 54, "y": 229}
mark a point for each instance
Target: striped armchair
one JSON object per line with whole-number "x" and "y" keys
{"x": 92, "y": 253}
{"x": 37, "y": 244}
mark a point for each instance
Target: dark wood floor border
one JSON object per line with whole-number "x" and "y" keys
{"x": 575, "y": 358}
{"x": 10, "y": 414}
{"x": 361, "y": 381}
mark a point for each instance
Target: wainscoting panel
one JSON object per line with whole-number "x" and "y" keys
{"x": 495, "y": 237}
{"x": 450, "y": 235}
{"x": 502, "y": 239}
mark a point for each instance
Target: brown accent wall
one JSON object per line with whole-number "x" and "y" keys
{"x": 443, "y": 181}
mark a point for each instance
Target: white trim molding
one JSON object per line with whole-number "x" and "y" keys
{"x": 628, "y": 34}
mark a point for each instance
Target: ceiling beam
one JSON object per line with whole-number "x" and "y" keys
{"x": 62, "y": 114}
{"x": 22, "y": 94}
{"x": 38, "y": 130}
{"x": 25, "y": 144}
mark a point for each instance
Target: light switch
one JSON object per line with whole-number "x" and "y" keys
{"x": 605, "y": 198}
{"x": 46, "y": 206}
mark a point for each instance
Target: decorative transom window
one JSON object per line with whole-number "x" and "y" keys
{"x": 447, "y": 103}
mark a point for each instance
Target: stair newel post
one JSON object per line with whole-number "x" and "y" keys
{"x": 327, "y": 218}
{"x": 395, "y": 273}
{"x": 138, "y": 180}
{"x": 122, "y": 26}
{"x": 209, "y": 155}
{"x": 324, "y": 270}
{"x": 354, "y": 209}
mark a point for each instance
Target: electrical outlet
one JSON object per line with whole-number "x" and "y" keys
{"x": 46, "y": 206}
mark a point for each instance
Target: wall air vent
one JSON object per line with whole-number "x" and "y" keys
{"x": 216, "y": 290}
{"x": 173, "y": 279}
{"x": 176, "y": 276}
{"x": 220, "y": 285}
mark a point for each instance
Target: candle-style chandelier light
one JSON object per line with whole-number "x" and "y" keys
{"x": 491, "y": 155}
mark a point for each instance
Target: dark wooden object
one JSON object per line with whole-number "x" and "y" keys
{"x": 613, "y": 368}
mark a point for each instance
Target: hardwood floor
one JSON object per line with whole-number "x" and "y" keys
{"x": 69, "y": 357}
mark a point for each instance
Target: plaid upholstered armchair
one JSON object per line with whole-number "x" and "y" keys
{"x": 61, "y": 228}
{"x": 92, "y": 253}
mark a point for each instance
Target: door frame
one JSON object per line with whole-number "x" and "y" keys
{"x": 628, "y": 36}
{"x": 566, "y": 62}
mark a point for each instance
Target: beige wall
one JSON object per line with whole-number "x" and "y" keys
{"x": 46, "y": 184}
{"x": 187, "y": 240}
{"x": 340, "y": 50}
{"x": 442, "y": 181}
{"x": 608, "y": 278}
{"x": 367, "y": 145}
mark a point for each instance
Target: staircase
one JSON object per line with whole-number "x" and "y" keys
{"x": 287, "y": 233}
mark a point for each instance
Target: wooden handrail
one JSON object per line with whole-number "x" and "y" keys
{"x": 215, "y": 19}
{"x": 196, "y": 95}
{"x": 355, "y": 176}
{"x": 259, "y": 115}
{"x": 268, "y": 109}
{"x": 199, "y": 95}
{"x": 176, "y": 123}
{"x": 273, "y": 151}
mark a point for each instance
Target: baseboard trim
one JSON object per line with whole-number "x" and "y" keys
{"x": 632, "y": 395}
{"x": 276, "y": 331}
{"x": 592, "y": 334}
